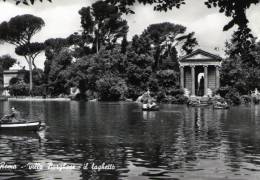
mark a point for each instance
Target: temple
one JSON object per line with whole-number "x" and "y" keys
{"x": 199, "y": 73}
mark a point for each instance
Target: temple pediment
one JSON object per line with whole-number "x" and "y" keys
{"x": 200, "y": 55}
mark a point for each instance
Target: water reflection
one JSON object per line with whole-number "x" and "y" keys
{"x": 176, "y": 142}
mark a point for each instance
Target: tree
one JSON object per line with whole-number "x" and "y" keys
{"x": 102, "y": 25}
{"x": 166, "y": 37}
{"x": 27, "y": 2}
{"x": 7, "y": 61}
{"x": 241, "y": 70}
{"x": 19, "y": 32}
{"x": 60, "y": 72}
{"x": 53, "y": 47}
{"x": 124, "y": 45}
{"x": 236, "y": 9}
{"x": 30, "y": 51}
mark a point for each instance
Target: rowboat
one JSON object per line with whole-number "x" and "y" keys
{"x": 154, "y": 108}
{"x": 220, "y": 107}
{"x": 21, "y": 126}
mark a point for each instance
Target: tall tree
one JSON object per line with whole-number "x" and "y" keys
{"x": 19, "y": 32}
{"x": 166, "y": 37}
{"x": 102, "y": 24}
{"x": 30, "y": 51}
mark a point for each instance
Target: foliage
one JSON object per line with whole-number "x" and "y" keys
{"x": 102, "y": 24}
{"x": 233, "y": 8}
{"x": 246, "y": 99}
{"x": 236, "y": 9}
{"x": 231, "y": 94}
{"x": 166, "y": 36}
{"x": 19, "y": 31}
{"x": 14, "y": 80}
{"x": 242, "y": 71}
{"x": 19, "y": 89}
{"x": 7, "y": 61}
{"x": 159, "y": 5}
{"x": 27, "y": 2}
{"x": 38, "y": 77}
{"x": 111, "y": 88}
{"x": 139, "y": 69}
{"x": 124, "y": 45}
{"x": 59, "y": 74}
{"x": 32, "y": 50}
{"x": 167, "y": 78}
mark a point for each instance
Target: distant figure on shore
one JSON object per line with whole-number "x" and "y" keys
{"x": 14, "y": 116}
{"x": 256, "y": 92}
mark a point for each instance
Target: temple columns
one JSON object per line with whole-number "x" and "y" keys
{"x": 193, "y": 80}
{"x": 205, "y": 80}
{"x": 217, "y": 77}
{"x": 182, "y": 77}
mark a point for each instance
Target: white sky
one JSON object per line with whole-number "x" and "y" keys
{"x": 62, "y": 19}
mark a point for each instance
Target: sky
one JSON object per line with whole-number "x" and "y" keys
{"x": 62, "y": 19}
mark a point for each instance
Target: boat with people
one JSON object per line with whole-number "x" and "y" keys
{"x": 147, "y": 108}
{"x": 220, "y": 104}
{"x": 14, "y": 122}
{"x": 21, "y": 126}
{"x": 148, "y": 102}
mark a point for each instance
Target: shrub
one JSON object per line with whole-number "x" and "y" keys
{"x": 175, "y": 92}
{"x": 233, "y": 96}
{"x": 256, "y": 100}
{"x": 246, "y": 99}
{"x": 111, "y": 88}
{"x": 222, "y": 91}
{"x": 19, "y": 89}
{"x": 161, "y": 96}
{"x": 182, "y": 99}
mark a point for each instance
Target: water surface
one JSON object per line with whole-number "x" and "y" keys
{"x": 175, "y": 143}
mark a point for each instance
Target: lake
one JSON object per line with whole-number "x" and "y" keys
{"x": 178, "y": 142}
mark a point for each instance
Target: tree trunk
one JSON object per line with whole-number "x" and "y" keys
{"x": 34, "y": 66}
{"x": 30, "y": 70}
{"x": 2, "y": 77}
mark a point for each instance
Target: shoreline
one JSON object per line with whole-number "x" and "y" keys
{"x": 37, "y": 99}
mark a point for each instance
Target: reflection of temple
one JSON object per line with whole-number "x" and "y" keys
{"x": 200, "y": 73}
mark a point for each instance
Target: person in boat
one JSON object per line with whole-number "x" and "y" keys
{"x": 14, "y": 116}
{"x": 145, "y": 104}
{"x": 151, "y": 104}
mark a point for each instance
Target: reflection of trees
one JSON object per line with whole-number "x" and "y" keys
{"x": 242, "y": 138}
{"x": 18, "y": 149}
{"x": 115, "y": 133}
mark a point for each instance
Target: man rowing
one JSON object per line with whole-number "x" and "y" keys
{"x": 14, "y": 116}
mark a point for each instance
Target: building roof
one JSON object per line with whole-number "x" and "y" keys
{"x": 200, "y": 55}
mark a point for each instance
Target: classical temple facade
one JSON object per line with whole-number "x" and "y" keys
{"x": 199, "y": 73}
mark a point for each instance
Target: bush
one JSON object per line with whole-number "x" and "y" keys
{"x": 233, "y": 96}
{"x": 256, "y": 100}
{"x": 246, "y": 99}
{"x": 161, "y": 96}
{"x": 19, "y": 89}
{"x": 169, "y": 99}
{"x": 111, "y": 88}
{"x": 38, "y": 91}
{"x": 175, "y": 92}
{"x": 223, "y": 91}
{"x": 182, "y": 99}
